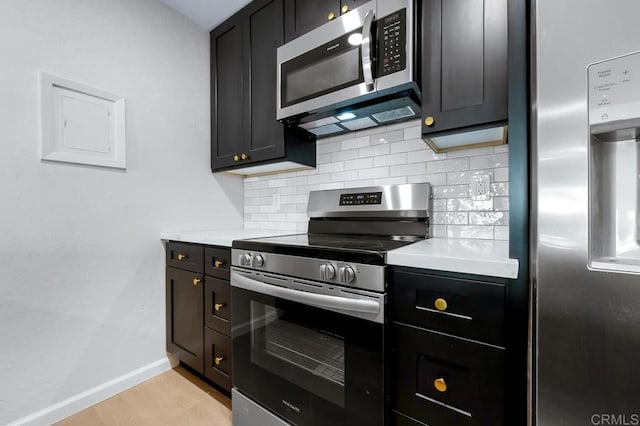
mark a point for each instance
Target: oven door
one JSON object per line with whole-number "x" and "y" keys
{"x": 311, "y": 365}
{"x": 328, "y": 65}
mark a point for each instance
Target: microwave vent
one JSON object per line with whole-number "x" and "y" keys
{"x": 326, "y": 130}
{"x": 394, "y": 114}
{"x": 359, "y": 123}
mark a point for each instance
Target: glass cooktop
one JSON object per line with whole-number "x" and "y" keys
{"x": 355, "y": 248}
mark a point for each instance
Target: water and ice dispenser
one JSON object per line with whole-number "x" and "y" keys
{"x": 614, "y": 169}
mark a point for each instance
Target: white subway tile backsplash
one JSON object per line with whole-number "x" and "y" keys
{"x": 373, "y": 151}
{"x": 389, "y": 155}
{"x": 378, "y": 172}
{"x": 360, "y": 142}
{"x": 331, "y": 167}
{"x": 387, "y": 160}
{"x": 489, "y": 161}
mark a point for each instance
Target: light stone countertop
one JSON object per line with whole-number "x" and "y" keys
{"x": 220, "y": 237}
{"x": 479, "y": 257}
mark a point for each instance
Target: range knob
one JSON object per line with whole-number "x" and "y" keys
{"x": 346, "y": 274}
{"x": 327, "y": 271}
{"x": 245, "y": 259}
{"x": 258, "y": 261}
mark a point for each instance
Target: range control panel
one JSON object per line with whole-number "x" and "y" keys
{"x": 392, "y": 43}
{"x": 614, "y": 89}
{"x": 360, "y": 199}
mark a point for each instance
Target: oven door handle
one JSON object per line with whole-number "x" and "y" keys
{"x": 306, "y": 298}
{"x": 367, "y": 66}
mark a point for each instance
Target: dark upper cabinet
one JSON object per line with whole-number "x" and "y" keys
{"x": 262, "y": 32}
{"x": 464, "y": 64}
{"x": 227, "y": 124}
{"x": 244, "y": 129}
{"x": 302, "y": 16}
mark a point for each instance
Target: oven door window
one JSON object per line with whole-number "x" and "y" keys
{"x": 310, "y": 366}
{"x": 325, "y": 69}
{"x": 298, "y": 352}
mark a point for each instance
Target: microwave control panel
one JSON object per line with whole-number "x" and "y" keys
{"x": 392, "y": 43}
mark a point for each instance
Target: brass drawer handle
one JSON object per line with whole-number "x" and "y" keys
{"x": 345, "y": 8}
{"x": 218, "y": 359}
{"x": 429, "y": 121}
{"x": 236, "y": 158}
{"x": 331, "y": 16}
{"x": 440, "y": 304}
{"x": 182, "y": 256}
{"x": 440, "y": 385}
{"x": 244, "y": 156}
{"x": 196, "y": 281}
{"x": 218, "y": 306}
{"x": 218, "y": 263}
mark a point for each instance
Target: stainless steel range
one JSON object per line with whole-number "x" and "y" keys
{"x": 309, "y": 309}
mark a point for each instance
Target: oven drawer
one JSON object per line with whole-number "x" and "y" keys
{"x": 442, "y": 380}
{"x": 217, "y": 358}
{"x": 461, "y": 306}
{"x": 217, "y": 261}
{"x": 185, "y": 256}
{"x": 217, "y": 305}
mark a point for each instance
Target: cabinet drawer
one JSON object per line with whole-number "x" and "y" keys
{"x": 460, "y": 306}
{"x": 217, "y": 358}
{"x": 217, "y": 261}
{"x": 184, "y": 293}
{"x": 185, "y": 256}
{"x": 217, "y": 305}
{"x": 443, "y": 380}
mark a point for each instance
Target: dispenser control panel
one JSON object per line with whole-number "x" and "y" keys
{"x": 614, "y": 89}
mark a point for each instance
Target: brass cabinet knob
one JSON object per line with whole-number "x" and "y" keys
{"x": 218, "y": 263}
{"x": 440, "y": 304}
{"x": 196, "y": 281}
{"x": 218, "y": 306}
{"x": 218, "y": 359}
{"x": 440, "y": 385}
{"x": 236, "y": 158}
{"x": 244, "y": 156}
{"x": 331, "y": 16}
{"x": 429, "y": 121}
{"x": 182, "y": 256}
{"x": 345, "y": 8}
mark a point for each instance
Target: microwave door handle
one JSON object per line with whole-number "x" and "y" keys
{"x": 306, "y": 298}
{"x": 367, "y": 66}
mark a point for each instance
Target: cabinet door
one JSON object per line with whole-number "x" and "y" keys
{"x": 302, "y": 16}
{"x": 349, "y": 5}
{"x": 442, "y": 380}
{"x": 218, "y": 358}
{"x": 226, "y": 93}
{"x": 185, "y": 324}
{"x": 464, "y": 72}
{"x": 217, "y": 305}
{"x": 262, "y": 34}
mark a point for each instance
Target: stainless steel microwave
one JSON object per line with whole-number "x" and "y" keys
{"x": 354, "y": 72}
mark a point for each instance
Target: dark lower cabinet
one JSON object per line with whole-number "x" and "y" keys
{"x": 464, "y": 64}
{"x": 448, "y": 349}
{"x": 446, "y": 380}
{"x": 185, "y": 290}
{"x": 217, "y": 355}
{"x": 199, "y": 309}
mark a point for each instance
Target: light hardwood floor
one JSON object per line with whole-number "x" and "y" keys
{"x": 175, "y": 397}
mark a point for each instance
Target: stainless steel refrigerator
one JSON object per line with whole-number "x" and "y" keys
{"x": 585, "y": 367}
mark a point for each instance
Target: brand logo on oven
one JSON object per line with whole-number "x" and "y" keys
{"x": 333, "y": 47}
{"x": 290, "y": 405}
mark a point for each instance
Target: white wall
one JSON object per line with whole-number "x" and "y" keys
{"x": 81, "y": 263}
{"x": 389, "y": 155}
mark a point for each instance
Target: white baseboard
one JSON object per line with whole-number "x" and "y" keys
{"x": 86, "y": 399}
